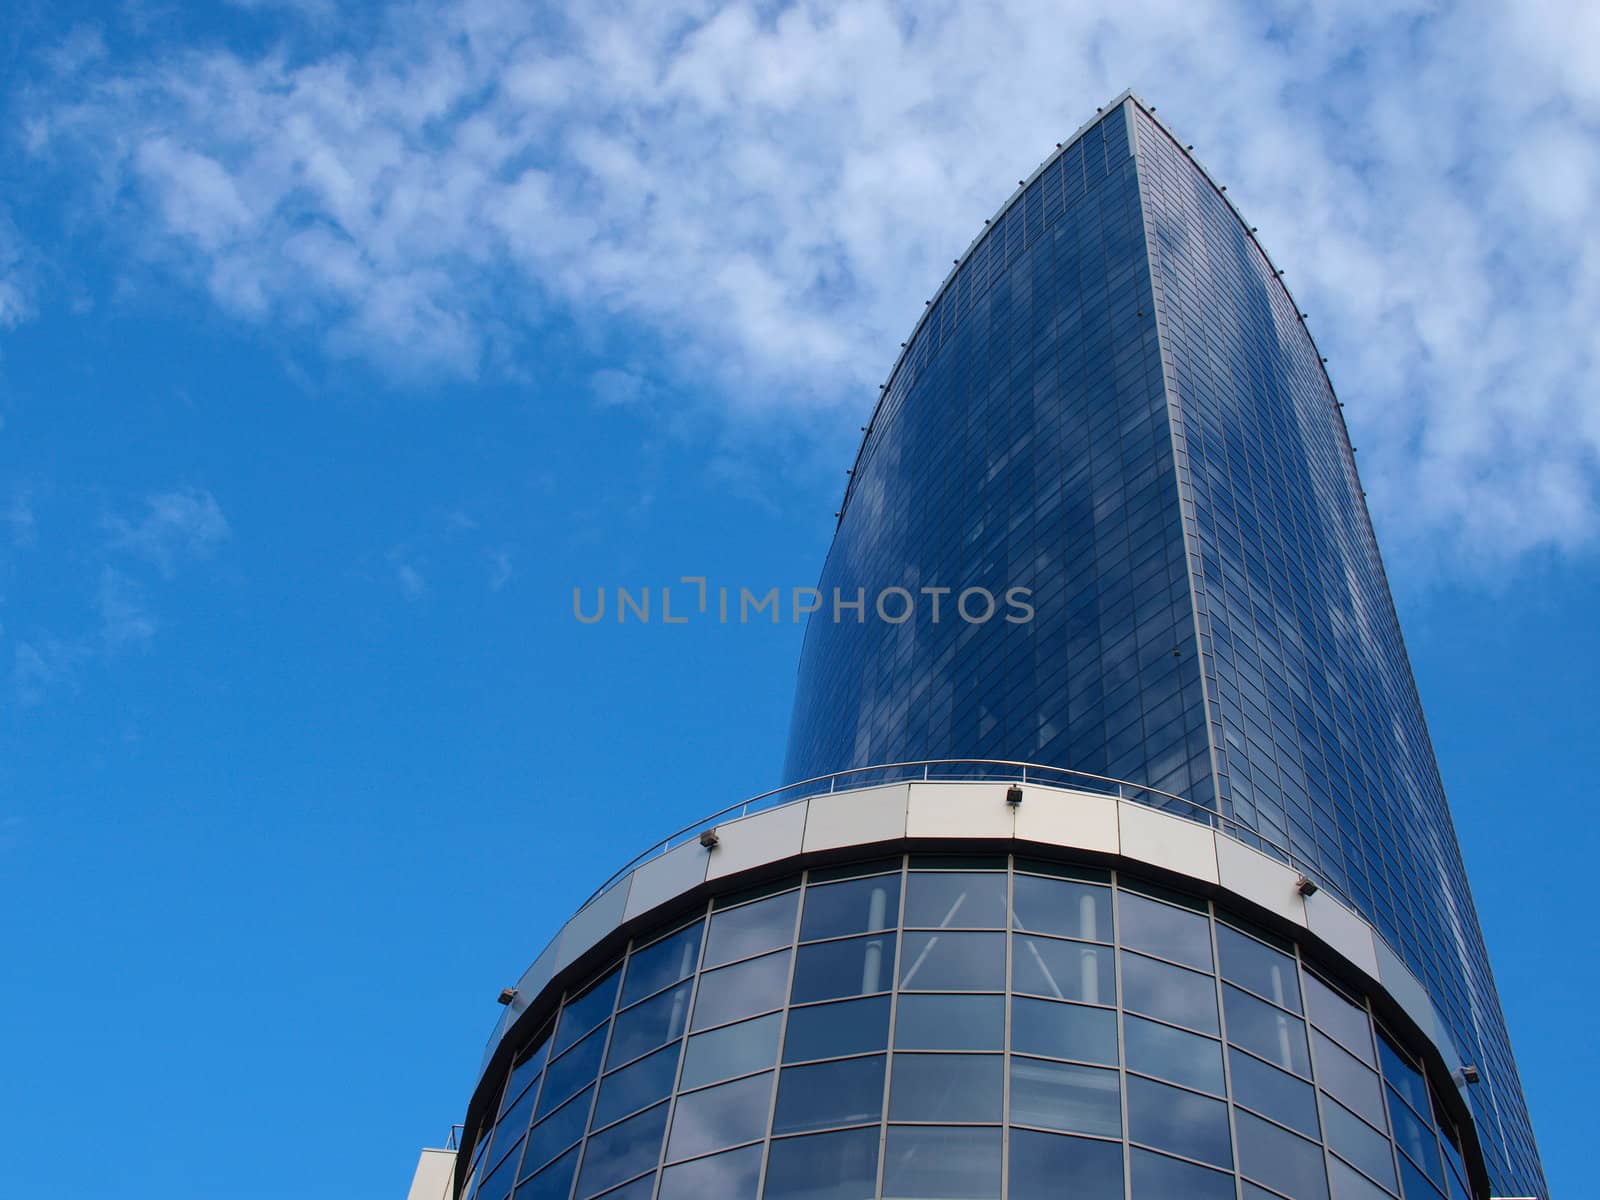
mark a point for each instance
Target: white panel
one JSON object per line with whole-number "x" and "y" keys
{"x": 534, "y": 979}
{"x": 436, "y": 1171}
{"x": 856, "y": 818}
{"x": 1253, "y": 875}
{"x": 1163, "y": 840}
{"x": 592, "y": 922}
{"x": 660, "y": 879}
{"x": 959, "y": 810}
{"x": 1343, "y": 930}
{"x": 1400, "y": 983}
{"x": 1083, "y": 820}
{"x": 760, "y": 838}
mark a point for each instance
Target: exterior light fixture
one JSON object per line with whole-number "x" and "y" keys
{"x": 708, "y": 837}
{"x": 1014, "y": 795}
{"x": 507, "y": 995}
{"x": 1470, "y": 1074}
{"x": 1304, "y": 886}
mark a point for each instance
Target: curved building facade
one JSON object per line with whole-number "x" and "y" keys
{"x": 969, "y": 991}
{"x": 1114, "y": 403}
{"x": 1149, "y": 891}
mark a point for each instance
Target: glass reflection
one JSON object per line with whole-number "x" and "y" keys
{"x": 932, "y": 1163}
{"x": 721, "y": 1116}
{"x": 855, "y": 906}
{"x": 1042, "y": 1162}
{"x": 1062, "y": 907}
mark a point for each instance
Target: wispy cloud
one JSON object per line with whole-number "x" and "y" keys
{"x": 187, "y": 523}
{"x": 500, "y": 569}
{"x": 773, "y": 191}
{"x": 18, "y": 519}
{"x": 125, "y": 618}
{"x": 120, "y": 593}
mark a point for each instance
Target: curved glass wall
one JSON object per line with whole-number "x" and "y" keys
{"x": 974, "y": 1028}
{"x": 1114, "y": 404}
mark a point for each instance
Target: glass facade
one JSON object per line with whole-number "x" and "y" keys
{"x": 1114, "y": 403}
{"x": 973, "y": 1028}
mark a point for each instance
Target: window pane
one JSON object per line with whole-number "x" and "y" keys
{"x": 1349, "y": 1184}
{"x": 1062, "y": 907}
{"x": 846, "y": 1092}
{"x": 1344, "y": 1078}
{"x": 956, "y": 900}
{"x": 828, "y": 970}
{"x": 582, "y": 1014}
{"x": 1063, "y": 1030}
{"x": 1279, "y": 1159}
{"x": 1063, "y": 970}
{"x": 731, "y": 1050}
{"x": 622, "y": 1152}
{"x": 636, "y": 1086}
{"x": 1042, "y": 1162}
{"x": 1170, "y": 1053}
{"x": 721, "y": 1116}
{"x": 513, "y": 1125}
{"x": 946, "y": 1087}
{"x": 1161, "y": 929}
{"x": 1274, "y": 1093}
{"x": 1186, "y": 1124}
{"x": 834, "y": 1030}
{"x": 1339, "y": 1019}
{"x": 1414, "y": 1184}
{"x": 731, "y": 1176}
{"x": 740, "y": 932}
{"x": 666, "y": 962}
{"x": 557, "y": 1131}
{"x": 1404, "y": 1078}
{"x": 828, "y": 1166}
{"x": 1360, "y": 1143}
{"x": 1069, "y": 1098}
{"x": 1266, "y": 1031}
{"x": 573, "y": 1070}
{"x": 741, "y": 991}
{"x": 1260, "y": 968}
{"x": 1415, "y": 1138}
{"x": 858, "y": 906}
{"x": 933, "y": 1163}
{"x": 503, "y": 1174}
{"x": 552, "y": 1183}
{"x": 1170, "y": 993}
{"x": 956, "y": 962}
{"x": 640, "y": 1029}
{"x": 934, "y": 1022}
{"x": 524, "y": 1072}
{"x": 1157, "y": 1177}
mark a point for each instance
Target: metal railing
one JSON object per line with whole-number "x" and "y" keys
{"x": 939, "y": 770}
{"x": 956, "y": 770}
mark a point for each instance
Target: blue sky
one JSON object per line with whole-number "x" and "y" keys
{"x": 336, "y": 348}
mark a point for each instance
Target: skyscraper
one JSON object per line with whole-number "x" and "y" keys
{"x": 1153, "y": 893}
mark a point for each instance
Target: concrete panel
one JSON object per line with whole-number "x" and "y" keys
{"x": 1343, "y": 930}
{"x": 592, "y": 922}
{"x": 1251, "y": 874}
{"x": 436, "y": 1171}
{"x": 534, "y": 978}
{"x": 660, "y": 879}
{"x": 960, "y": 810}
{"x": 760, "y": 838}
{"x": 1055, "y": 817}
{"x": 1400, "y": 983}
{"x": 856, "y": 818}
{"x": 1167, "y": 841}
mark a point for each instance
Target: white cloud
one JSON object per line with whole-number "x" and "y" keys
{"x": 125, "y": 619}
{"x": 773, "y": 192}
{"x": 186, "y": 523}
